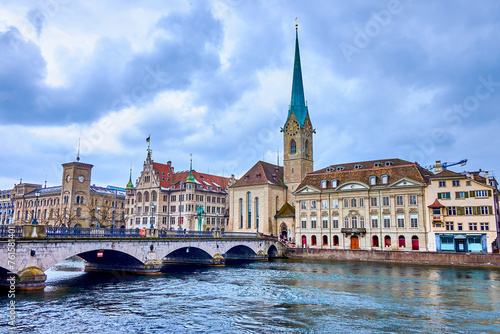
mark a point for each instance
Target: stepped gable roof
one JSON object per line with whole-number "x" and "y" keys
{"x": 436, "y": 204}
{"x": 362, "y": 170}
{"x": 286, "y": 211}
{"x": 447, "y": 174}
{"x": 261, "y": 173}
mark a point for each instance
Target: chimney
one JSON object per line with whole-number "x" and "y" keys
{"x": 472, "y": 176}
{"x": 486, "y": 176}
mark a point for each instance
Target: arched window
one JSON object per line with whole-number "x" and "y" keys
{"x": 324, "y": 184}
{"x": 335, "y": 240}
{"x": 402, "y": 241}
{"x": 153, "y": 196}
{"x": 77, "y": 199}
{"x": 374, "y": 241}
{"x": 387, "y": 241}
{"x": 325, "y": 240}
{"x": 293, "y": 147}
{"x": 306, "y": 147}
{"x": 313, "y": 240}
{"x": 79, "y": 212}
{"x": 414, "y": 243}
{"x": 146, "y": 196}
{"x": 139, "y": 197}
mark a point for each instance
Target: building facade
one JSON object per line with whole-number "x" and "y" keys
{"x": 6, "y": 208}
{"x": 189, "y": 200}
{"x": 76, "y": 203}
{"x": 462, "y": 212}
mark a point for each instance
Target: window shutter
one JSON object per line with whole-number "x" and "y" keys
{"x": 489, "y": 193}
{"x": 490, "y": 208}
{"x": 457, "y": 194}
{"x": 439, "y": 195}
{"x": 474, "y": 210}
{"x": 466, "y": 194}
{"x": 460, "y": 210}
{"x": 472, "y": 193}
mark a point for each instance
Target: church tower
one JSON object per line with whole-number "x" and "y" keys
{"x": 298, "y": 131}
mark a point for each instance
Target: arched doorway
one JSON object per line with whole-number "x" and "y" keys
{"x": 402, "y": 241}
{"x": 304, "y": 241}
{"x": 414, "y": 243}
{"x": 335, "y": 240}
{"x": 313, "y": 240}
{"x": 354, "y": 242}
{"x": 387, "y": 241}
{"x": 375, "y": 241}
{"x": 325, "y": 240}
{"x": 283, "y": 231}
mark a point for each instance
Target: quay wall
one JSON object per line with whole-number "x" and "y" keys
{"x": 434, "y": 258}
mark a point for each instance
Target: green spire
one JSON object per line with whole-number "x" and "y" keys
{"x": 129, "y": 184}
{"x": 297, "y": 105}
{"x": 190, "y": 178}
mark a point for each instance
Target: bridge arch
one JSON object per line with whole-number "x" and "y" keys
{"x": 188, "y": 254}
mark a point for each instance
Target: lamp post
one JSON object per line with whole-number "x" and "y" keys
{"x": 37, "y": 194}
{"x": 152, "y": 216}
{"x": 98, "y": 212}
{"x": 217, "y": 226}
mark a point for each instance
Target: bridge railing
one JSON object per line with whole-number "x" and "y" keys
{"x": 239, "y": 235}
{"x": 90, "y": 232}
{"x": 185, "y": 234}
{"x": 7, "y": 231}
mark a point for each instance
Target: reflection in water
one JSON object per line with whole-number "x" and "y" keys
{"x": 279, "y": 296}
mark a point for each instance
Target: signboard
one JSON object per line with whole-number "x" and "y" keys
{"x": 142, "y": 232}
{"x": 100, "y": 253}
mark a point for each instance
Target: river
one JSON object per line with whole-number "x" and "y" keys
{"x": 281, "y": 296}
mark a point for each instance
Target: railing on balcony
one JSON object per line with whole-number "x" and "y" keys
{"x": 11, "y": 231}
{"x": 90, "y": 232}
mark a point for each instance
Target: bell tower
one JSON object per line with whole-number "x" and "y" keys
{"x": 298, "y": 131}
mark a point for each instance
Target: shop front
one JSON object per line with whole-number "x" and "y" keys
{"x": 461, "y": 243}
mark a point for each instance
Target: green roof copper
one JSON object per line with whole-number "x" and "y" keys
{"x": 297, "y": 105}
{"x": 129, "y": 184}
{"x": 190, "y": 178}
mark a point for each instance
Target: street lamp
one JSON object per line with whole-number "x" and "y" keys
{"x": 98, "y": 211}
{"x": 37, "y": 194}
{"x": 152, "y": 216}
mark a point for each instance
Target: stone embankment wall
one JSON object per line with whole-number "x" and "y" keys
{"x": 465, "y": 259}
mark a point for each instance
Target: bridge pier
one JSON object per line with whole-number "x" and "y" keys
{"x": 31, "y": 278}
{"x": 149, "y": 268}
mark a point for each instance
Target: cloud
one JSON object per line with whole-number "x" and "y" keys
{"x": 38, "y": 19}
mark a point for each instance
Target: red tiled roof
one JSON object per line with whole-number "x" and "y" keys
{"x": 164, "y": 173}
{"x": 436, "y": 204}
{"x": 261, "y": 173}
{"x": 447, "y": 174}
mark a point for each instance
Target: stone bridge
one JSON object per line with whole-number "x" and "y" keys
{"x": 28, "y": 251}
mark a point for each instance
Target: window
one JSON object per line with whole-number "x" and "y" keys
{"x": 325, "y": 240}
{"x": 354, "y": 221}
{"x": 485, "y": 226}
{"x": 335, "y": 222}
{"x": 387, "y": 241}
{"x": 335, "y": 203}
{"x": 399, "y": 200}
{"x": 456, "y": 183}
{"x": 401, "y": 221}
{"x": 481, "y": 193}
{"x": 387, "y": 221}
{"x": 412, "y": 199}
{"x": 241, "y": 213}
{"x": 484, "y": 210}
{"x": 313, "y": 204}
{"x": 306, "y": 147}
{"x": 452, "y": 210}
{"x": 334, "y": 183}
{"x": 173, "y": 198}
{"x": 460, "y": 226}
{"x": 346, "y": 202}
{"x": 313, "y": 222}
{"x": 444, "y": 195}
{"x": 374, "y": 221}
{"x": 353, "y": 203}
{"x": 362, "y": 222}
{"x": 373, "y": 201}
{"x": 361, "y": 202}
{"x": 336, "y": 240}
{"x": 358, "y": 166}
{"x": 325, "y": 222}
{"x": 374, "y": 241}
{"x": 473, "y": 226}
{"x": 303, "y": 223}
{"x": 462, "y": 194}
{"x": 385, "y": 201}
{"x": 324, "y": 204}
{"x": 324, "y": 184}
{"x": 385, "y": 179}
{"x": 467, "y": 183}
{"x": 414, "y": 221}
{"x": 373, "y": 180}
{"x": 339, "y": 168}
{"x": 303, "y": 205}
{"x": 346, "y": 222}
{"x": 442, "y": 184}
{"x": 293, "y": 147}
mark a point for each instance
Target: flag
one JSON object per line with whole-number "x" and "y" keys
{"x": 148, "y": 139}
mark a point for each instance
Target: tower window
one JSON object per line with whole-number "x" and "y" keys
{"x": 293, "y": 147}
{"x": 306, "y": 148}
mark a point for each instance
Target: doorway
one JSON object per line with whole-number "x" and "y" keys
{"x": 354, "y": 242}
{"x": 460, "y": 245}
{"x": 283, "y": 231}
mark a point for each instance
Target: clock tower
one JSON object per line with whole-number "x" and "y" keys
{"x": 298, "y": 131}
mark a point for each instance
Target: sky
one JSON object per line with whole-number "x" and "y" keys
{"x": 415, "y": 80}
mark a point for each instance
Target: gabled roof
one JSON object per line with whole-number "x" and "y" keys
{"x": 396, "y": 169}
{"x": 164, "y": 173}
{"x": 286, "y": 211}
{"x": 261, "y": 173}
{"x": 447, "y": 174}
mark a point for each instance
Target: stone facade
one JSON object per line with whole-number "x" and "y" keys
{"x": 6, "y": 208}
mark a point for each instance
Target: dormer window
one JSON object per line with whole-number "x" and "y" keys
{"x": 358, "y": 166}
{"x": 389, "y": 163}
{"x": 334, "y": 183}
{"x": 373, "y": 180}
{"x": 340, "y": 168}
{"x": 377, "y": 164}
{"x": 162, "y": 173}
{"x": 329, "y": 169}
{"x": 385, "y": 179}
{"x": 324, "y": 183}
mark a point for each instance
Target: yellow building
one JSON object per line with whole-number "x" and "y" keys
{"x": 463, "y": 212}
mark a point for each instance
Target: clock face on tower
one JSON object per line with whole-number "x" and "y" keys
{"x": 68, "y": 178}
{"x": 308, "y": 127}
{"x": 292, "y": 128}
{"x": 81, "y": 178}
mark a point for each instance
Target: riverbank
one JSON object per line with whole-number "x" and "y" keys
{"x": 434, "y": 258}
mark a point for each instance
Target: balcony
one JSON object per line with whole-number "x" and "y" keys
{"x": 354, "y": 231}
